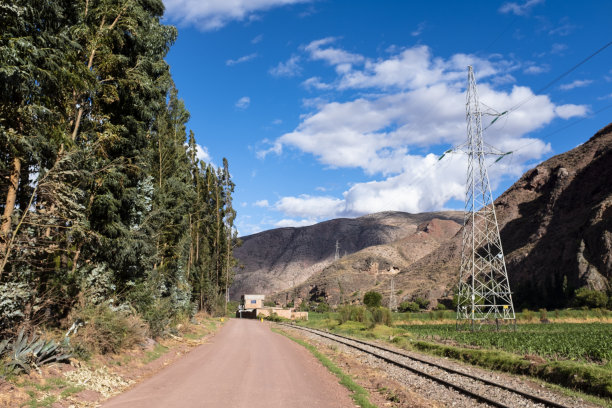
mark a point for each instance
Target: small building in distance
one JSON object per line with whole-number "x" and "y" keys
{"x": 252, "y": 307}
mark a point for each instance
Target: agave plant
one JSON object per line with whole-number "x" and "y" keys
{"x": 26, "y": 353}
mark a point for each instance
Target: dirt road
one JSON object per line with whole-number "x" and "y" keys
{"x": 244, "y": 365}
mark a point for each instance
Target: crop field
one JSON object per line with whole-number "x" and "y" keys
{"x": 590, "y": 342}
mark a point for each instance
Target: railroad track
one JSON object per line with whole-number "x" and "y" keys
{"x": 437, "y": 372}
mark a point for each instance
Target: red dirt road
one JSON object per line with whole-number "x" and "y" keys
{"x": 244, "y": 365}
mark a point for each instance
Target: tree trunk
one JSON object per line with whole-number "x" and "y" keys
{"x": 9, "y": 206}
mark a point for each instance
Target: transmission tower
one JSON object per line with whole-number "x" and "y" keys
{"x": 337, "y": 250}
{"x": 484, "y": 289}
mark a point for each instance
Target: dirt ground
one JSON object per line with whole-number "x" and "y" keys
{"x": 245, "y": 365}
{"x": 88, "y": 383}
{"x": 384, "y": 391}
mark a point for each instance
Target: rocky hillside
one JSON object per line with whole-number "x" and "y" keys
{"x": 556, "y": 229}
{"x": 281, "y": 258}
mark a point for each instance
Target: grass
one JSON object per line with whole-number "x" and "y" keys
{"x": 156, "y": 353}
{"x": 576, "y": 356}
{"x": 359, "y": 394}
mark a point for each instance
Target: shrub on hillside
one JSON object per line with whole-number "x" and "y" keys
{"x": 422, "y": 302}
{"x": 585, "y": 297}
{"x": 372, "y": 299}
{"x": 408, "y": 307}
{"x": 322, "y": 308}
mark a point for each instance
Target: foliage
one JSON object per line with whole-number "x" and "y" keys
{"x": 372, "y": 299}
{"x": 25, "y": 353}
{"x": 586, "y": 341}
{"x": 382, "y": 315}
{"x": 592, "y": 299}
{"x": 106, "y": 202}
{"x": 408, "y": 307}
{"x": 107, "y": 331}
{"x": 13, "y": 299}
{"x": 423, "y": 303}
{"x": 322, "y": 307}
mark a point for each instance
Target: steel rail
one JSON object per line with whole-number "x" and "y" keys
{"x": 457, "y": 387}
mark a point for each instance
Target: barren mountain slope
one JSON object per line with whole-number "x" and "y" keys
{"x": 278, "y": 259}
{"x": 556, "y": 229}
{"x": 372, "y": 268}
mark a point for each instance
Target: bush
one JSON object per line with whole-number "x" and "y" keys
{"x": 322, "y": 308}
{"x": 423, "y": 303}
{"x": 593, "y": 299}
{"x": 269, "y": 303}
{"x": 372, "y": 299}
{"x": 382, "y": 315}
{"x": 408, "y": 307}
{"x": 354, "y": 313}
{"x": 107, "y": 331}
{"x": 440, "y": 306}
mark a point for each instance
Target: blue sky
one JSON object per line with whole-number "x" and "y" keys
{"x": 330, "y": 109}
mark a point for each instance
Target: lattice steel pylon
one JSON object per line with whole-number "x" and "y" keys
{"x": 484, "y": 290}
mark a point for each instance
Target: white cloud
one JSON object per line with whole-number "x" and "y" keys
{"x": 203, "y": 154}
{"x": 257, "y": 39}
{"x": 570, "y": 110}
{"x": 214, "y": 14}
{"x": 419, "y": 30}
{"x": 307, "y": 206}
{"x": 519, "y": 9}
{"x": 333, "y": 56}
{"x": 535, "y": 69}
{"x": 277, "y": 121}
{"x": 243, "y": 102}
{"x": 579, "y": 83}
{"x": 240, "y": 60}
{"x": 316, "y": 83}
{"x": 416, "y": 104}
{"x": 286, "y": 223}
{"x": 261, "y": 203}
{"x": 558, "y": 48}
{"x": 290, "y": 68}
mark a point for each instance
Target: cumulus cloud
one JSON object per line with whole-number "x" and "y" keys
{"x": 570, "y": 110}
{"x": 240, "y": 60}
{"x": 316, "y": 83}
{"x": 243, "y": 102}
{"x": 320, "y": 50}
{"x": 290, "y": 68}
{"x": 261, "y": 203}
{"x": 286, "y": 222}
{"x": 203, "y": 154}
{"x": 519, "y": 9}
{"x": 214, "y": 14}
{"x": 404, "y": 107}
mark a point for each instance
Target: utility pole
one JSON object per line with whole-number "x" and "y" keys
{"x": 392, "y": 300}
{"x": 484, "y": 290}
{"x": 337, "y": 250}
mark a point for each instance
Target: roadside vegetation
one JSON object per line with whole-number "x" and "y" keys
{"x": 112, "y": 230}
{"x": 570, "y": 348}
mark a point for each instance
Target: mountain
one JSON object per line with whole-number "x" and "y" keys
{"x": 556, "y": 229}
{"x": 278, "y": 259}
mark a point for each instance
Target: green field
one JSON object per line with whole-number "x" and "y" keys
{"x": 558, "y": 341}
{"x": 570, "y": 348}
